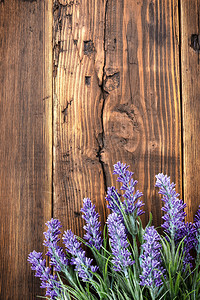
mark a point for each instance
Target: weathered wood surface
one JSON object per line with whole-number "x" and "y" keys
{"x": 25, "y": 140}
{"x": 117, "y": 97}
{"x": 117, "y": 92}
{"x": 142, "y": 115}
{"x": 190, "y": 70}
{"x": 78, "y": 109}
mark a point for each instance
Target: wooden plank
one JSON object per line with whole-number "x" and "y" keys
{"x": 142, "y": 114}
{"x": 116, "y": 85}
{"x": 25, "y": 140}
{"x": 190, "y": 66}
{"x": 78, "y": 106}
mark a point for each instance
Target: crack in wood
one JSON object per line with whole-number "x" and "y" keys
{"x": 103, "y": 96}
{"x": 64, "y": 111}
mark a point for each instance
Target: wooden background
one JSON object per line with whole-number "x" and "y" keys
{"x": 84, "y": 84}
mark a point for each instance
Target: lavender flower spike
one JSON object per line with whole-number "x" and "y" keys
{"x": 132, "y": 201}
{"x": 113, "y": 198}
{"x": 49, "y": 281}
{"x": 188, "y": 232}
{"x": 92, "y": 227}
{"x": 150, "y": 261}
{"x": 174, "y": 208}
{"x": 119, "y": 244}
{"x": 58, "y": 258}
{"x": 197, "y": 228}
{"x": 82, "y": 263}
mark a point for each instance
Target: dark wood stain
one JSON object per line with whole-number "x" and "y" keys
{"x": 25, "y": 142}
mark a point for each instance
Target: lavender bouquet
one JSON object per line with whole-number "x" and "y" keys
{"x": 128, "y": 261}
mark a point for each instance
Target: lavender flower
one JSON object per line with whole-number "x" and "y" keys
{"x": 49, "y": 281}
{"x": 113, "y": 198}
{"x": 197, "y": 228}
{"x": 132, "y": 201}
{"x": 174, "y": 208}
{"x": 150, "y": 260}
{"x": 197, "y": 216}
{"x": 92, "y": 227}
{"x": 119, "y": 244}
{"x": 124, "y": 175}
{"x": 58, "y": 258}
{"x": 188, "y": 232}
{"x": 82, "y": 263}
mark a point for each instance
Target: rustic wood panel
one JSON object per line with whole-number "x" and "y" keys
{"x": 25, "y": 140}
{"x": 190, "y": 69}
{"x": 78, "y": 106}
{"x": 142, "y": 114}
{"x": 117, "y": 97}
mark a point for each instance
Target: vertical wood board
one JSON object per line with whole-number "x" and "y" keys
{"x": 142, "y": 114}
{"x": 78, "y": 105}
{"x": 190, "y": 70}
{"x": 25, "y": 140}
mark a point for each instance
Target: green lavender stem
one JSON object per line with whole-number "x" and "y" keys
{"x": 136, "y": 258}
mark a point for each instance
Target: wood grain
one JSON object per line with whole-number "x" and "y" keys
{"x": 190, "y": 70}
{"x": 78, "y": 106}
{"x": 142, "y": 114}
{"x": 117, "y": 97}
{"x": 25, "y": 141}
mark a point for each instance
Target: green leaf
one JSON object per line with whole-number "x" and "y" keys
{"x": 177, "y": 283}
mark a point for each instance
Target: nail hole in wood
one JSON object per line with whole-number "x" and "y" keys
{"x": 88, "y": 47}
{"x": 87, "y": 80}
{"x": 195, "y": 42}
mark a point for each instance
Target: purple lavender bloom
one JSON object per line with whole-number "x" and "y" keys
{"x": 82, "y": 263}
{"x": 49, "y": 281}
{"x": 150, "y": 260}
{"x": 119, "y": 244}
{"x": 188, "y": 232}
{"x": 124, "y": 175}
{"x": 92, "y": 227}
{"x": 197, "y": 228}
{"x": 58, "y": 258}
{"x": 113, "y": 198}
{"x": 53, "y": 231}
{"x": 197, "y": 216}
{"x": 132, "y": 201}
{"x": 174, "y": 208}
